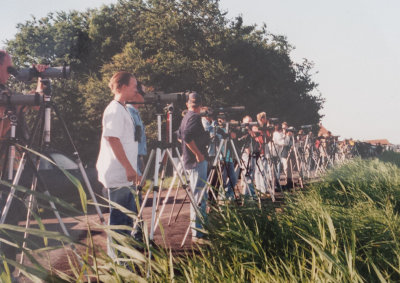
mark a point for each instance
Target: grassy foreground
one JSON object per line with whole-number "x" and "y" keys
{"x": 345, "y": 228}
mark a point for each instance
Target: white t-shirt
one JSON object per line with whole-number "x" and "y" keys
{"x": 117, "y": 122}
{"x": 279, "y": 142}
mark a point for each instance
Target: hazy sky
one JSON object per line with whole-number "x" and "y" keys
{"x": 354, "y": 45}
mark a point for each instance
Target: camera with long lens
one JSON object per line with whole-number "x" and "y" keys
{"x": 7, "y": 98}
{"x": 222, "y": 111}
{"x": 291, "y": 129}
{"x": 176, "y": 97}
{"x": 273, "y": 121}
{"x": 27, "y": 74}
{"x": 307, "y": 128}
{"x": 269, "y": 128}
{"x": 241, "y": 129}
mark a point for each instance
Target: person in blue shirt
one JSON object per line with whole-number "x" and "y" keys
{"x": 229, "y": 175}
{"x": 140, "y": 135}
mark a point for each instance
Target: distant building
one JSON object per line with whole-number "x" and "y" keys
{"x": 383, "y": 142}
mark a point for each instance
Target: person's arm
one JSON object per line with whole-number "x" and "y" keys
{"x": 193, "y": 148}
{"x": 119, "y": 153}
{"x": 193, "y": 128}
{"x": 40, "y": 68}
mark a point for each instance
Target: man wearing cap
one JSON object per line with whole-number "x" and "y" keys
{"x": 194, "y": 148}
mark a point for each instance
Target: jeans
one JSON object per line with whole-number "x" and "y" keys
{"x": 125, "y": 197}
{"x": 229, "y": 185}
{"x": 198, "y": 179}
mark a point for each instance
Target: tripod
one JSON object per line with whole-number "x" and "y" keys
{"x": 294, "y": 154}
{"x": 309, "y": 156}
{"x": 44, "y": 119}
{"x": 157, "y": 155}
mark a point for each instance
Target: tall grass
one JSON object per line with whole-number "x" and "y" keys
{"x": 344, "y": 228}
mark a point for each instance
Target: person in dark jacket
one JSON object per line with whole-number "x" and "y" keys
{"x": 194, "y": 141}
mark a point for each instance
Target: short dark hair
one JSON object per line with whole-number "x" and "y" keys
{"x": 119, "y": 79}
{"x": 3, "y": 55}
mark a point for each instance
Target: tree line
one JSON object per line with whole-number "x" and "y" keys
{"x": 170, "y": 45}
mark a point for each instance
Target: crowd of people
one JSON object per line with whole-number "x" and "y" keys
{"x": 225, "y": 160}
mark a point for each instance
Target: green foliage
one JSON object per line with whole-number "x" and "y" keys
{"x": 391, "y": 157}
{"x": 344, "y": 228}
{"x": 170, "y": 46}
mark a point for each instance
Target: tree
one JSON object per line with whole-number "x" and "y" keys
{"x": 171, "y": 45}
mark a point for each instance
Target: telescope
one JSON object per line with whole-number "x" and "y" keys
{"x": 291, "y": 129}
{"x": 7, "y": 98}
{"x": 243, "y": 125}
{"x": 27, "y": 74}
{"x": 232, "y": 109}
{"x": 156, "y": 97}
{"x": 178, "y": 97}
{"x": 214, "y": 112}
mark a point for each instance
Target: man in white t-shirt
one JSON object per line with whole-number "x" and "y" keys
{"x": 117, "y": 161}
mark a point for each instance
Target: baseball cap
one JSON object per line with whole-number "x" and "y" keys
{"x": 194, "y": 99}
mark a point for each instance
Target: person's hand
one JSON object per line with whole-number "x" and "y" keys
{"x": 138, "y": 179}
{"x": 40, "y": 67}
{"x": 131, "y": 175}
{"x": 233, "y": 135}
{"x": 199, "y": 157}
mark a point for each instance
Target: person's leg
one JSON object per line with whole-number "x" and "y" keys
{"x": 124, "y": 197}
{"x": 136, "y": 203}
{"x": 198, "y": 178}
{"x": 230, "y": 168}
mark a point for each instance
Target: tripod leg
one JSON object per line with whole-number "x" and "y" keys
{"x": 144, "y": 176}
{"x": 25, "y": 157}
{"x": 299, "y": 168}
{"x": 173, "y": 205}
{"x": 166, "y": 198}
{"x": 163, "y": 171}
{"x": 79, "y": 162}
{"x": 29, "y": 212}
{"x": 180, "y": 208}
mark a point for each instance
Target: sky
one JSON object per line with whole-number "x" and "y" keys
{"x": 354, "y": 46}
